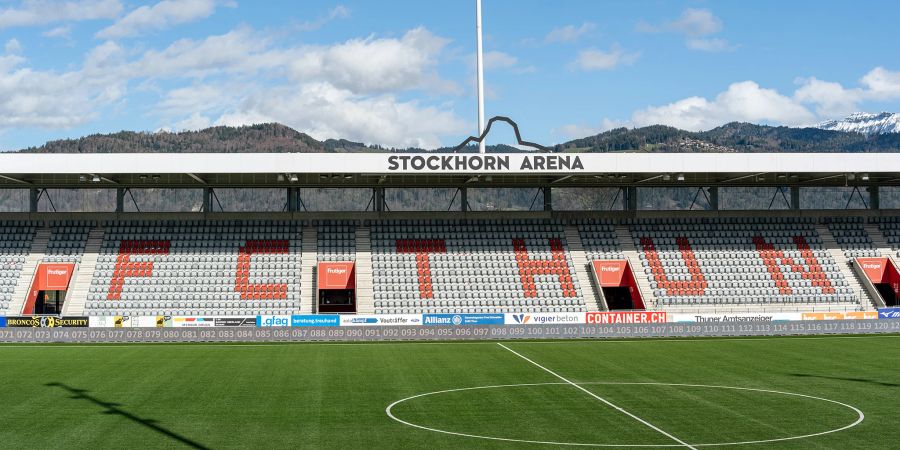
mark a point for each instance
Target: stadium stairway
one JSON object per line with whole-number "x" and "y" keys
{"x": 307, "y": 269}
{"x": 365, "y": 294}
{"x": 84, "y": 273}
{"x": 595, "y": 302}
{"x": 878, "y": 239}
{"x": 834, "y": 249}
{"x": 626, "y": 242}
{"x": 38, "y": 249}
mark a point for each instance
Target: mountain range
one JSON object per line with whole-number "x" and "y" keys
{"x": 273, "y": 137}
{"x": 865, "y": 123}
{"x": 859, "y": 132}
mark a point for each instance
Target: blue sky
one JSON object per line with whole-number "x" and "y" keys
{"x": 401, "y": 73}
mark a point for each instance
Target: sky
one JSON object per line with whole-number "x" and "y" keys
{"x": 402, "y": 73}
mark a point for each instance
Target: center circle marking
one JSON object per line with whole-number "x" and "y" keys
{"x": 859, "y": 419}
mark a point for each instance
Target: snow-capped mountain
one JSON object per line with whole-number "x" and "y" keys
{"x": 865, "y": 123}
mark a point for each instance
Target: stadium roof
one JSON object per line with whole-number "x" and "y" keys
{"x": 196, "y": 170}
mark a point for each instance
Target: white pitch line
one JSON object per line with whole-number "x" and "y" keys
{"x": 605, "y": 401}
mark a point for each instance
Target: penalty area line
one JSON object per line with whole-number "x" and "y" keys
{"x": 601, "y": 399}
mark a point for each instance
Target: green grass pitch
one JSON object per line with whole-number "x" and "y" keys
{"x": 615, "y": 392}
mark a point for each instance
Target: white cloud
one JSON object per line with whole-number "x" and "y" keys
{"x": 830, "y": 99}
{"x": 158, "y": 17}
{"x": 744, "y": 101}
{"x": 338, "y": 12}
{"x": 569, "y": 33}
{"x": 882, "y": 84}
{"x": 593, "y": 59}
{"x": 575, "y": 131}
{"x": 58, "y": 32}
{"x": 710, "y": 45}
{"x": 238, "y": 51}
{"x": 376, "y": 65}
{"x": 195, "y": 122}
{"x": 324, "y": 111}
{"x": 833, "y": 100}
{"x": 13, "y": 46}
{"x": 696, "y": 22}
{"x": 47, "y": 99}
{"x": 499, "y": 60}
{"x": 42, "y": 12}
{"x": 345, "y": 90}
{"x": 695, "y": 25}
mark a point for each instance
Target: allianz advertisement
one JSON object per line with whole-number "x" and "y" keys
{"x": 463, "y": 319}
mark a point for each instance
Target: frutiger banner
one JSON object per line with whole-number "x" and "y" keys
{"x": 737, "y": 317}
{"x": 381, "y": 320}
{"x": 610, "y": 272}
{"x": 874, "y": 268}
{"x": 336, "y": 275}
{"x": 542, "y": 318}
{"x": 625, "y": 317}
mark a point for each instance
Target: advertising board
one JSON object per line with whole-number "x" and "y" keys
{"x": 463, "y": 319}
{"x": 2, "y": 321}
{"x": 142, "y": 321}
{"x": 273, "y": 321}
{"x": 542, "y": 318}
{"x": 889, "y": 313}
{"x": 234, "y": 322}
{"x": 336, "y": 275}
{"x": 45, "y": 321}
{"x": 381, "y": 320}
{"x": 193, "y": 322}
{"x": 614, "y": 317}
{"x": 849, "y": 315}
{"x": 737, "y": 317}
{"x": 314, "y": 320}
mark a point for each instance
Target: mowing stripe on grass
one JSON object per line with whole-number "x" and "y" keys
{"x": 605, "y": 401}
{"x": 484, "y": 342}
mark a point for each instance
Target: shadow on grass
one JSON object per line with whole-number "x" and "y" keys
{"x": 114, "y": 408}
{"x": 857, "y": 380}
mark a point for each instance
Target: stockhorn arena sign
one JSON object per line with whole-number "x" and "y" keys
{"x": 487, "y": 163}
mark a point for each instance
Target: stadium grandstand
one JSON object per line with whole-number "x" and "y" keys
{"x": 208, "y": 263}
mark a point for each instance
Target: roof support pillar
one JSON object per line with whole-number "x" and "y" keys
{"x": 120, "y": 200}
{"x": 463, "y": 199}
{"x": 714, "y": 198}
{"x": 629, "y": 198}
{"x": 795, "y": 197}
{"x": 378, "y": 194}
{"x": 874, "y": 197}
{"x": 292, "y": 195}
{"x": 33, "y": 197}
{"x": 207, "y": 199}
{"x": 548, "y": 198}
